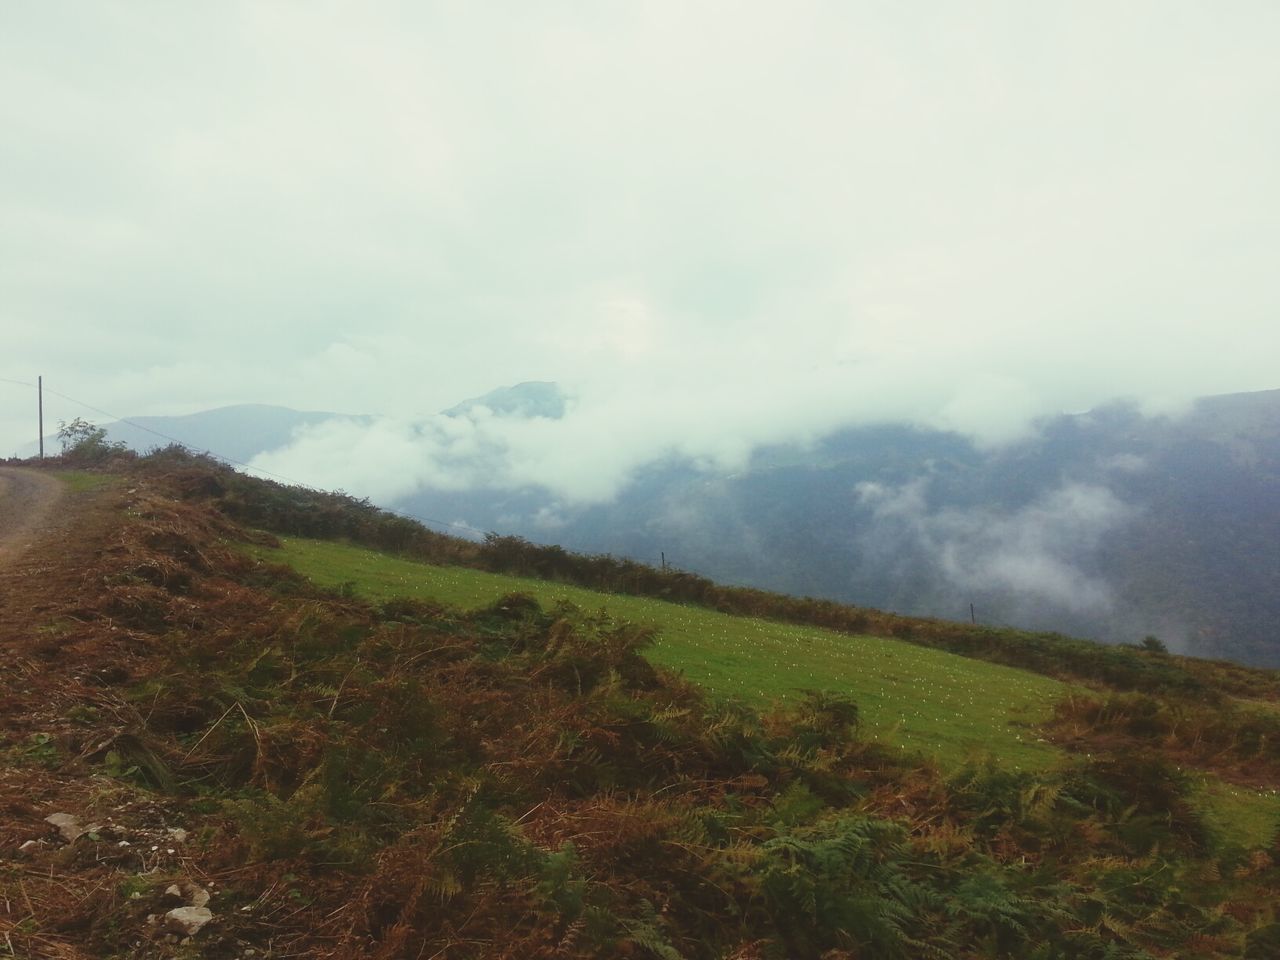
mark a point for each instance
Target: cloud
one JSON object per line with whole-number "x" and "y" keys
{"x": 718, "y": 224}
{"x": 1039, "y": 553}
{"x": 1124, "y": 463}
{"x": 610, "y": 428}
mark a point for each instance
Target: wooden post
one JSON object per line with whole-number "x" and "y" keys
{"x": 40, "y": 402}
{"x": 973, "y": 617}
{"x": 664, "y": 561}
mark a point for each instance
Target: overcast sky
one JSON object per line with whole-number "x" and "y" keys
{"x": 715, "y": 223}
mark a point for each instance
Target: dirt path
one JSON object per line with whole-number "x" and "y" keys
{"x": 27, "y": 497}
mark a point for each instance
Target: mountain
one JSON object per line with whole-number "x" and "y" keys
{"x": 534, "y": 398}
{"x": 242, "y": 431}
{"x": 238, "y": 433}
{"x": 1109, "y": 525}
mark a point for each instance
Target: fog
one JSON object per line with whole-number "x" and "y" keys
{"x": 1039, "y": 552}
{"x": 715, "y": 225}
{"x": 610, "y": 429}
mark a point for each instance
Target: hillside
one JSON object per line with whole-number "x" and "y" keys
{"x": 929, "y": 701}
{"x": 1110, "y": 525}
{"x": 348, "y": 772}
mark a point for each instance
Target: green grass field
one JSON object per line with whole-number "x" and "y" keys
{"x": 949, "y": 707}
{"x": 80, "y": 481}
{"x": 946, "y": 706}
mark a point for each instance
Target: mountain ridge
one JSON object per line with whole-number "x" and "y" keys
{"x": 1107, "y": 524}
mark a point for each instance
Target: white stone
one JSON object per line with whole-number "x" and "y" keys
{"x": 187, "y": 920}
{"x": 195, "y": 896}
{"x": 68, "y": 825}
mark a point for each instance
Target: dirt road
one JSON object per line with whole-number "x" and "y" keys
{"x": 27, "y": 497}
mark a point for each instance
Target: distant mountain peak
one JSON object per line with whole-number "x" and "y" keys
{"x": 533, "y": 398}
{"x": 238, "y": 432}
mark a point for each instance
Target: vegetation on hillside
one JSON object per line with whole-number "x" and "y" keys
{"x": 917, "y": 698}
{"x": 84, "y": 443}
{"x": 404, "y": 779}
{"x": 298, "y": 511}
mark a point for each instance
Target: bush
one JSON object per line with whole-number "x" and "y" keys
{"x": 83, "y": 442}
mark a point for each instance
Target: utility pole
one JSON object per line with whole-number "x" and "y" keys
{"x": 40, "y": 402}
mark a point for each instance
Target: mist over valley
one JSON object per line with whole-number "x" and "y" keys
{"x": 1113, "y": 524}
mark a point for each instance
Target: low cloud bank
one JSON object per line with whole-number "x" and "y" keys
{"x": 711, "y": 410}
{"x": 1039, "y": 552}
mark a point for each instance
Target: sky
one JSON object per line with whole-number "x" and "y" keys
{"x": 714, "y": 224}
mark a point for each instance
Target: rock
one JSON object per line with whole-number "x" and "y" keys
{"x": 68, "y": 825}
{"x": 187, "y": 920}
{"x": 178, "y": 835}
{"x": 194, "y": 895}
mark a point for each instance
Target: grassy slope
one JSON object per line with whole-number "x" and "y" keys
{"x": 948, "y": 706}
{"x": 81, "y": 481}
{"x": 398, "y": 790}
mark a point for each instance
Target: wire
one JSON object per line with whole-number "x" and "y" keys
{"x": 20, "y": 383}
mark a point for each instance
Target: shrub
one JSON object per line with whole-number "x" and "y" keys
{"x": 83, "y": 442}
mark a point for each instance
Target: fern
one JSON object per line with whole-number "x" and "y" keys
{"x": 645, "y": 932}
